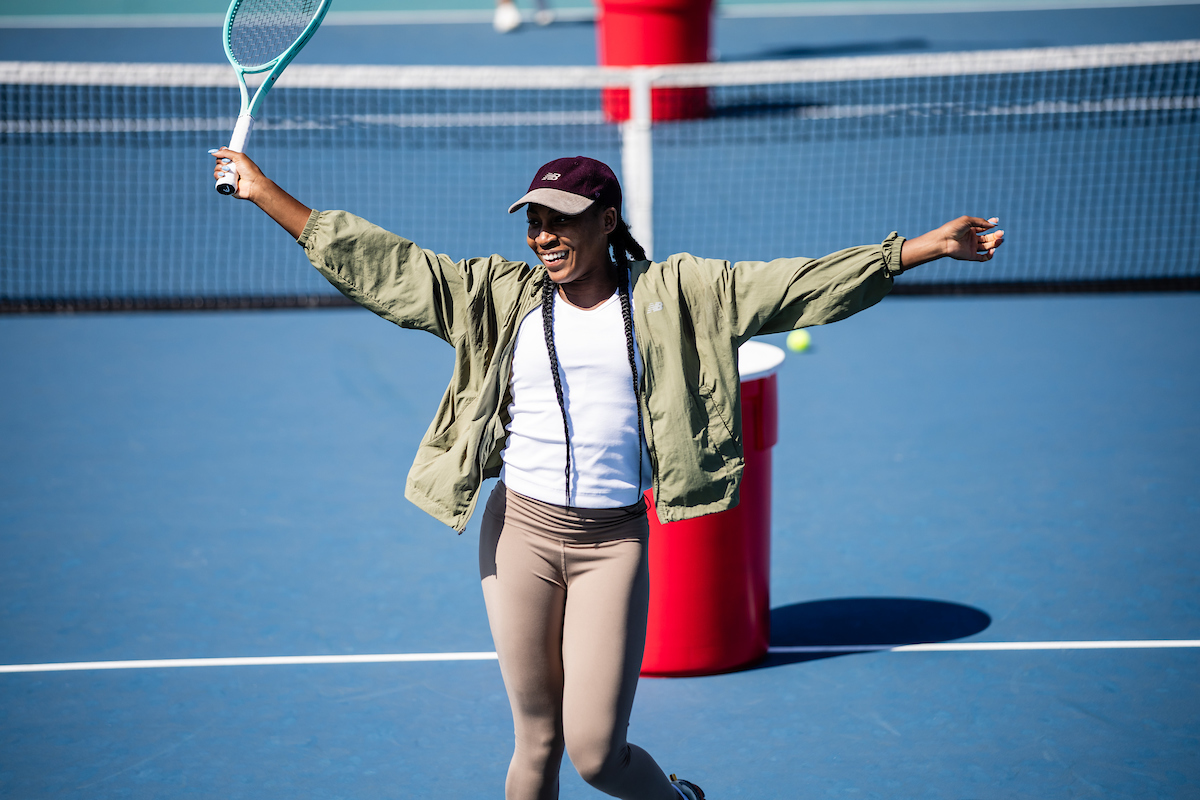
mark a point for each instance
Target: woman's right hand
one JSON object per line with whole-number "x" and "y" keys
{"x": 249, "y": 177}
{"x": 252, "y": 185}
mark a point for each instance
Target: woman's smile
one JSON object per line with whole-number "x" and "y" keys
{"x": 574, "y": 250}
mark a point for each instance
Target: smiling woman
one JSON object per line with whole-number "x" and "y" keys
{"x": 627, "y": 379}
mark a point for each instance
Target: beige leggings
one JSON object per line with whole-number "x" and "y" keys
{"x": 566, "y": 597}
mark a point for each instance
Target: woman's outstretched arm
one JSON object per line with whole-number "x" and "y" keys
{"x": 252, "y": 185}
{"x": 775, "y": 296}
{"x": 964, "y": 239}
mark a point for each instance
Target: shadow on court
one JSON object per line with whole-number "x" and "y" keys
{"x": 863, "y": 621}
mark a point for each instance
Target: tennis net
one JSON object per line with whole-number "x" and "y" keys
{"x": 1090, "y": 156}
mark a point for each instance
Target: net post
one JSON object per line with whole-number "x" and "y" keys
{"x": 637, "y": 164}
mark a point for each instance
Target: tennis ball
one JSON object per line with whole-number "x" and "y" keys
{"x": 798, "y": 341}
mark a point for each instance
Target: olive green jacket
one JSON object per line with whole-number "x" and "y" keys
{"x": 690, "y": 316}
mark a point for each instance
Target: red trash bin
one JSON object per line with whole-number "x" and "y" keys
{"x": 710, "y": 600}
{"x": 635, "y": 33}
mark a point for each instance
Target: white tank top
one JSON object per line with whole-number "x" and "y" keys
{"x": 601, "y": 411}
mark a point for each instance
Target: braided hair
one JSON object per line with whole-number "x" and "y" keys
{"x": 623, "y": 245}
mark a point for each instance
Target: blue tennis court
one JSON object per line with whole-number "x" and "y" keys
{"x": 1008, "y": 483}
{"x": 229, "y": 485}
{"x": 573, "y": 41}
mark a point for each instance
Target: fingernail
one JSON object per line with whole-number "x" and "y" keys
{"x": 213, "y": 152}
{"x": 224, "y": 160}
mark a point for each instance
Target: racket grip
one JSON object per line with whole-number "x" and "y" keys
{"x": 227, "y": 184}
{"x": 241, "y": 132}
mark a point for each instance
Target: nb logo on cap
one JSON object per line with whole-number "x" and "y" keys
{"x": 551, "y": 176}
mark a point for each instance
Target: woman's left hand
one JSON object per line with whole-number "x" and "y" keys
{"x": 965, "y": 239}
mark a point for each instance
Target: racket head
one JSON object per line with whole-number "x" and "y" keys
{"x": 261, "y": 34}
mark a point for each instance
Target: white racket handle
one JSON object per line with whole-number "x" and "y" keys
{"x": 227, "y": 183}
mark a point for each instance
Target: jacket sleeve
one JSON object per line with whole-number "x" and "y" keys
{"x": 761, "y": 297}
{"x": 390, "y": 275}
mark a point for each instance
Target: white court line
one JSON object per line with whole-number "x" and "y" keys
{"x": 952, "y": 647}
{"x": 249, "y": 661}
{"x": 392, "y": 658}
{"x": 484, "y": 16}
{"x": 840, "y": 8}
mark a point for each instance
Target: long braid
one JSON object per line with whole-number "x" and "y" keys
{"x": 623, "y": 245}
{"x": 548, "y": 292}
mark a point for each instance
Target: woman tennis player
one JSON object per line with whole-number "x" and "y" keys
{"x": 581, "y": 381}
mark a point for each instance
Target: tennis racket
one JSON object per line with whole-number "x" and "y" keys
{"x": 263, "y": 36}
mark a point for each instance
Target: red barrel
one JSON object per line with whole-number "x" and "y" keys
{"x": 710, "y": 598}
{"x": 649, "y": 32}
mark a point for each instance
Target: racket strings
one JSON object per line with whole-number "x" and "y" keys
{"x": 262, "y": 30}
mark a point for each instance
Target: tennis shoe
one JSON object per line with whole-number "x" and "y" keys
{"x": 544, "y": 16}
{"x": 507, "y": 17}
{"x": 686, "y": 789}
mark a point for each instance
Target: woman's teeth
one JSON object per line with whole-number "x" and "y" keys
{"x": 551, "y": 258}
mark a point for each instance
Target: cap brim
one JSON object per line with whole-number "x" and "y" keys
{"x": 557, "y": 199}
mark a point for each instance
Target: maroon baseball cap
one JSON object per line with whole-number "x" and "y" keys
{"x": 572, "y": 185}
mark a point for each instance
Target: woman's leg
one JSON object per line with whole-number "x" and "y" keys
{"x": 525, "y": 599}
{"x": 604, "y": 634}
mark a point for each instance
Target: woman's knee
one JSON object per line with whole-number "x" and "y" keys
{"x": 596, "y": 760}
{"x": 539, "y": 752}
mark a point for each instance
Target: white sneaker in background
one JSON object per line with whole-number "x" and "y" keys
{"x": 544, "y": 16}
{"x": 507, "y": 17}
